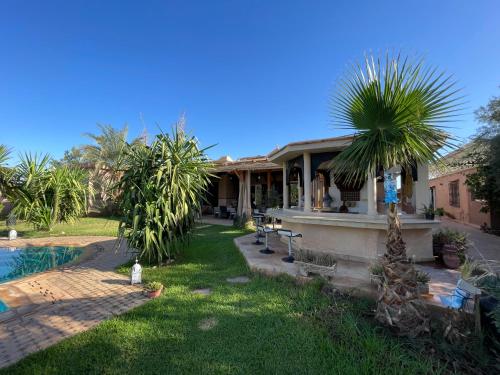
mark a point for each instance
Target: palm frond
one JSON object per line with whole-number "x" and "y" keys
{"x": 396, "y": 109}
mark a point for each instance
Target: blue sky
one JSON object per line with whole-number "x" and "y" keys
{"x": 249, "y": 75}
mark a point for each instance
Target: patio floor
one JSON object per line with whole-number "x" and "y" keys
{"x": 51, "y": 306}
{"x": 351, "y": 276}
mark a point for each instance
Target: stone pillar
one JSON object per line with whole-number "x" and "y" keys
{"x": 421, "y": 188}
{"x": 307, "y": 181}
{"x": 371, "y": 191}
{"x": 285, "y": 187}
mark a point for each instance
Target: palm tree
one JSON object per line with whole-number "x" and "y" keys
{"x": 4, "y": 156}
{"x": 397, "y": 109}
{"x": 107, "y": 156}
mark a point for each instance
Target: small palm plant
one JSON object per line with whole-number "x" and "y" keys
{"x": 45, "y": 195}
{"x": 162, "y": 189}
{"x": 397, "y": 109}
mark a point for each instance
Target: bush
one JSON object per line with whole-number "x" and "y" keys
{"x": 451, "y": 237}
{"x": 163, "y": 188}
{"x": 153, "y": 286}
{"x": 315, "y": 257}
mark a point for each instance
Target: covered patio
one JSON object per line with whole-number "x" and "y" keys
{"x": 346, "y": 218}
{"x": 244, "y": 185}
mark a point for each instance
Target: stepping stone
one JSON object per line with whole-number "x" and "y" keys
{"x": 238, "y": 280}
{"x": 207, "y": 324}
{"x": 203, "y": 291}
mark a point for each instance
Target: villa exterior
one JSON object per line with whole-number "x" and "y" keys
{"x": 333, "y": 215}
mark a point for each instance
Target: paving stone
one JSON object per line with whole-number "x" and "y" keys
{"x": 238, "y": 280}
{"x": 65, "y": 301}
{"x": 207, "y": 324}
{"x": 203, "y": 291}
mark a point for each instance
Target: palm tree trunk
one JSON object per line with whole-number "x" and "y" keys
{"x": 399, "y": 305}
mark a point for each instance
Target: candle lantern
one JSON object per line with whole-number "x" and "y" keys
{"x": 12, "y": 234}
{"x": 136, "y": 273}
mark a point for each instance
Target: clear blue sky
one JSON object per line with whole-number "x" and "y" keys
{"x": 249, "y": 75}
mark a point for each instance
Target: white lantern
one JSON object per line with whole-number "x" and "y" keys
{"x": 12, "y": 234}
{"x": 135, "y": 275}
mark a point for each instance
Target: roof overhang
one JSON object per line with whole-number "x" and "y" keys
{"x": 294, "y": 149}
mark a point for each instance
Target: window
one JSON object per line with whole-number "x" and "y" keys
{"x": 349, "y": 196}
{"x": 454, "y": 194}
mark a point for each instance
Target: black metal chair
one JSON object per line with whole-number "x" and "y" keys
{"x": 257, "y": 218}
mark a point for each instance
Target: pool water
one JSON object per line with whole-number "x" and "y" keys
{"x": 19, "y": 262}
{"x": 3, "y": 306}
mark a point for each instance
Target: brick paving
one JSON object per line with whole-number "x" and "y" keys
{"x": 48, "y": 307}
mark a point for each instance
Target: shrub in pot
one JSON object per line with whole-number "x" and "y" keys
{"x": 423, "y": 279}
{"x": 154, "y": 289}
{"x": 451, "y": 242}
{"x": 428, "y": 212}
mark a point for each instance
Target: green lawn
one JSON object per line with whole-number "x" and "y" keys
{"x": 87, "y": 226}
{"x": 267, "y": 326}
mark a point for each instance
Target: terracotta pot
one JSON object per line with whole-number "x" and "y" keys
{"x": 450, "y": 256}
{"x": 154, "y": 293}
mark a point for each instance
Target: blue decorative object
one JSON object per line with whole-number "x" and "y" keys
{"x": 390, "y": 188}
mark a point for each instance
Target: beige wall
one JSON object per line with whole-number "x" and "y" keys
{"x": 469, "y": 210}
{"x": 359, "y": 244}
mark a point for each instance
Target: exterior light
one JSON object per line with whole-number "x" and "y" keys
{"x": 136, "y": 273}
{"x": 12, "y": 234}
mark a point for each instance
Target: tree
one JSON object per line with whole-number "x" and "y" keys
{"x": 4, "y": 170}
{"x": 397, "y": 108}
{"x": 163, "y": 187}
{"x": 485, "y": 156}
{"x": 107, "y": 158}
{"x": 45, "y": 195}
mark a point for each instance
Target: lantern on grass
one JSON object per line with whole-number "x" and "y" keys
{"x": 136, "y": 273}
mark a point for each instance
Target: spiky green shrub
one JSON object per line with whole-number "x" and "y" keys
{"x": 45, "y": 195}
{"x": 162, "y": 191}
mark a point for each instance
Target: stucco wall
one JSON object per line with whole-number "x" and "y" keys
{"x": 469, "y": 210}
{"x": 359, "y": 244}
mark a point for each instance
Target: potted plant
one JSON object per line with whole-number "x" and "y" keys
{"x": 423, "y": 279}
{"x": 450, "y": 246}
{"x": 429, "y": 212}
{"x": 154, "y": 289}
{"x": 310, "y": 262}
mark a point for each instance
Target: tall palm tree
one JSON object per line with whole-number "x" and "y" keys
{"x": 397, "y": 109}
{"x": 107, "y": 155}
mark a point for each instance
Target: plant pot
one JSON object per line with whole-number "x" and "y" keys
{"x": 154, "y": 293}
{"x": 305, "y": 269}
{"x": 423, "y": 288}
{"x": 429, "y": 216}
{"x": 450, "y": 256}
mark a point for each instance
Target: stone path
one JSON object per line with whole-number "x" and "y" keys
{"x": 483, "y": 246}
{"x": 48, "y": 307}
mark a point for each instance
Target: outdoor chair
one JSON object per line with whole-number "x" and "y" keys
{"x": 290, "y": 234}
{"x": 266, "y": 230}
{"x": 224, "y": 212}
{"x": 216, "y": 211}
{"x": 463, "y": 293}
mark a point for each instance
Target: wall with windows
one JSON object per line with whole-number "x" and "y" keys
{"x": 452, "y": 194}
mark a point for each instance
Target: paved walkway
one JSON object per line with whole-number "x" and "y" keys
{"x": 483, "y": 246}
{"x": 51, "y": 306}
{"x": 349, "y": 276}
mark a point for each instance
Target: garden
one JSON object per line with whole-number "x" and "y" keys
{"x": 149, "y": 194}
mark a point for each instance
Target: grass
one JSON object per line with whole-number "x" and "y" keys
{"x": 267, "y": 326}
{"x": 87, "y": 226}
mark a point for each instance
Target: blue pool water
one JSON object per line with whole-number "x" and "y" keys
{"x": 3, "y": 306}
{"x": 19, "y": 262}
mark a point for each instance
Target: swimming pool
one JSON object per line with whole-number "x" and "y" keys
{"x": 19, "y": 262}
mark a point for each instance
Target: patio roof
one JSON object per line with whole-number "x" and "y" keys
{"x": 295, "y": 149}
{"x": 251, "y": 163}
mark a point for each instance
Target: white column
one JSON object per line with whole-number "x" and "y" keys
{"x": 421, "y": 190}
{"x": 307, "y": 181}
{"x": 299, "y": 193}
{"x": 371, "y": 191}
{"x": 285, "y": 187}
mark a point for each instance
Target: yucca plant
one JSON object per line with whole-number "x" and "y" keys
{"x": 397, "y": 109}
{"x": 45, "y": 195}
{"x": 162, "y": 189}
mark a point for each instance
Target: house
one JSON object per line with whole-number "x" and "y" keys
{"x": 450, "y": 191}
{"x": 333, "y": 215}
